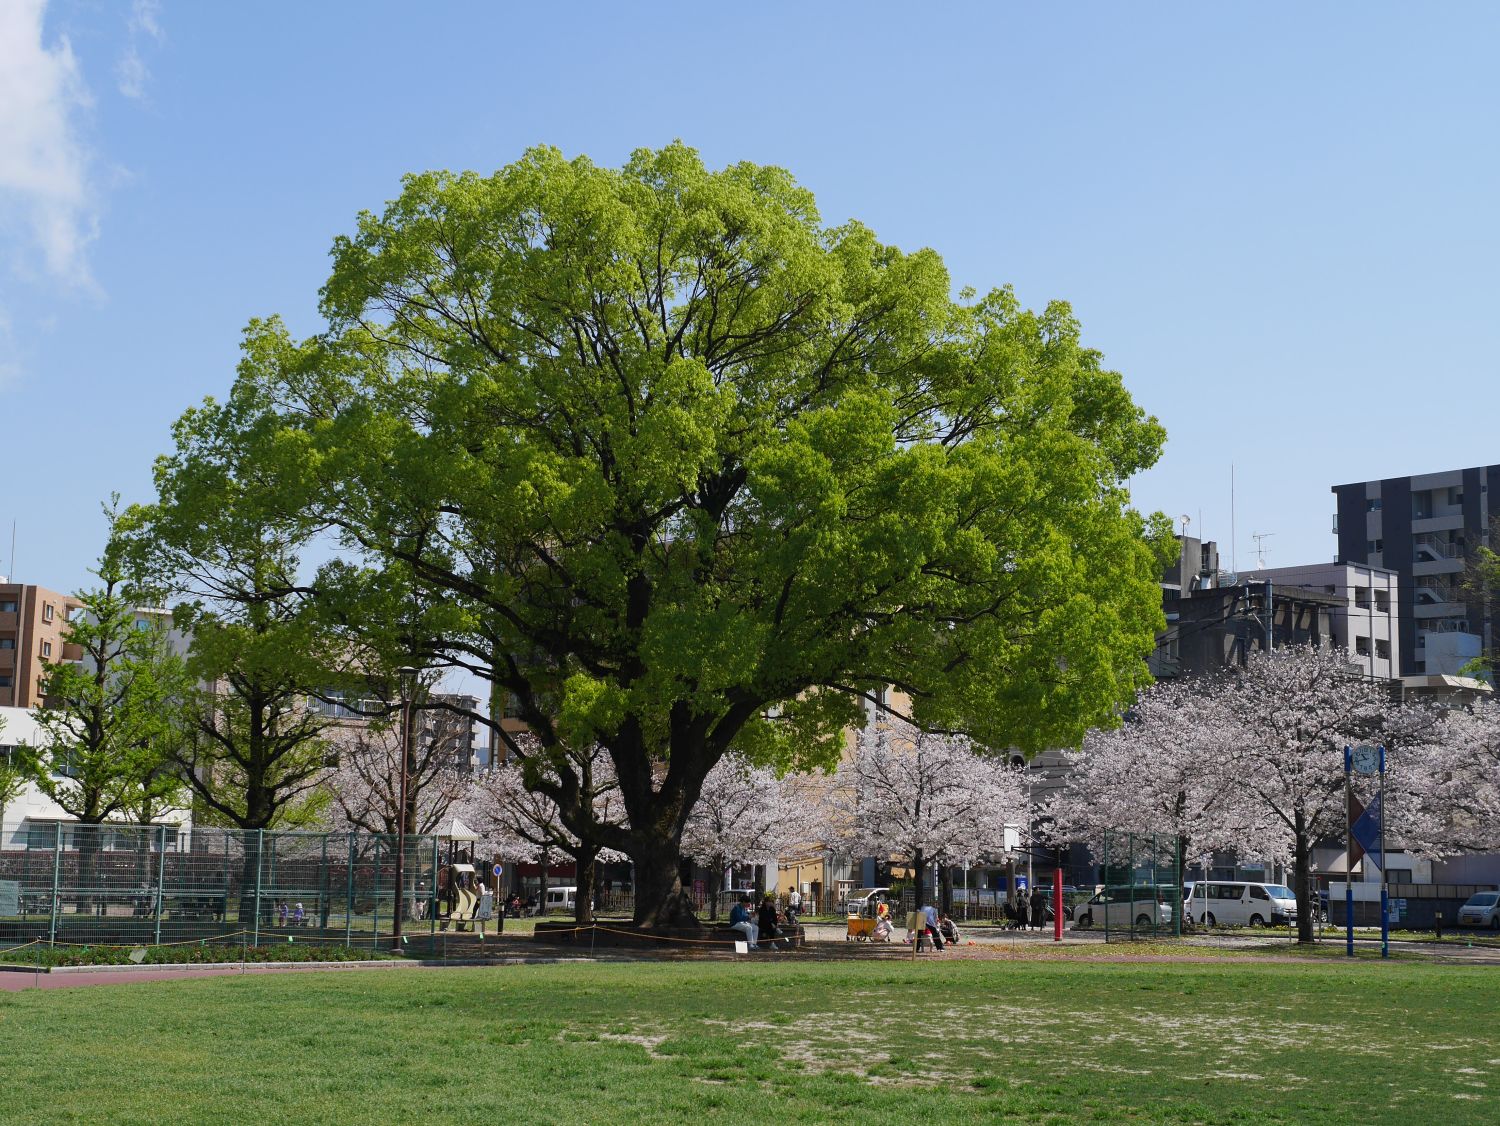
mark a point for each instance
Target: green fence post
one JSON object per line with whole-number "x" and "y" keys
{"x": 375, "y": 901}
{"x": 323, "y": 886}
{"x": 228, "y": 870}
{"x": 161, "y": 876}
{"x": 56, "y": 880}
{"x": 349, "y": 897}
{"x": 260, "y": 862}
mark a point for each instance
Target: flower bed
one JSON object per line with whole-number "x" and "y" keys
{"x": 206, "y": 954}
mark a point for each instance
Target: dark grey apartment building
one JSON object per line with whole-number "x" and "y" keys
{"x": 1422, "y": 527}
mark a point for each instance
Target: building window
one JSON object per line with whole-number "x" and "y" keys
{"x": 1383, "y": 650}
{"x": 1362, "y": 646}
{"x": 1372, "y": 505}
{"x": 5, "y": 680}
{"x": 1398, "y": 876}
{"x": 7, "y": 642}
{"x": 46, "y": 648}
{"x": 1362, "y": 597}
{"x": 47, "y": 611}
{"x": 1383, "y": 601}
{"x": 7, "y": 607}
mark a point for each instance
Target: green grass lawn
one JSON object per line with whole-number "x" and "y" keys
{"x": 767, "y": 1041}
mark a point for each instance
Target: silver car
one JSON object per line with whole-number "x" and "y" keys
{"x": 1481, "y": 910}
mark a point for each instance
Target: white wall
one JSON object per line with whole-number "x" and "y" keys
{"x": 18, "y": 726}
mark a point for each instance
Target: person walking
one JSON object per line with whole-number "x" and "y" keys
{"x": 793, "y": 905}
{"x": 1038, "y": 911}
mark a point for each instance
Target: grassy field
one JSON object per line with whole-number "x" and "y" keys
{"x": 767, "y": 1041}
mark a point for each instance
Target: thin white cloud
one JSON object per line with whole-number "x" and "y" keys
{"x": 131, "y": 72}
{"x": 47, "y": 203}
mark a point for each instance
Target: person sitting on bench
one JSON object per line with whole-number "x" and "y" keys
{"x": 740, "y": 920}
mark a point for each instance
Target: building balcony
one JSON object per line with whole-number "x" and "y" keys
{"x": 1440, "y": 610}
{"x": 9, "y": 623}
{"x": 71, "y": 652}
{"x": 1423, "y": 566}
{"x": 1451, "y": 522}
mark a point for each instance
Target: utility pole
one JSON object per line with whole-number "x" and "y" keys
{"x": 408, "y": 687}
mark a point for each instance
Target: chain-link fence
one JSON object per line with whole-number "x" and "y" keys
{"x": 152, "y": 884}
{"x": 1140, "y": 891}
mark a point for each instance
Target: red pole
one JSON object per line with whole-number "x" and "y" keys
{"x": 1057, "y": 904}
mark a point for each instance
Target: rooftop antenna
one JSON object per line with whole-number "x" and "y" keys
{"x": 1260, "y": 547}
{"x": 1233, "y": 562}
{"x": 1186, "y": 520}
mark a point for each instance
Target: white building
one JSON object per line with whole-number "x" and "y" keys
{"x": 34, "y": 812}
{"x": 1368, "y": 626}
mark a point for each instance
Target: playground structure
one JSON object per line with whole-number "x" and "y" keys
{"x": 461, "y": 898}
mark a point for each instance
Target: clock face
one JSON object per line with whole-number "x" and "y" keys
{"x": 1367, "y": 760}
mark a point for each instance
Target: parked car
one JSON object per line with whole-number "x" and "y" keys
{"x": 1237, "y": 903}
{"x": 1142, "y": 905}
{"x": 1482, "y": 909}
{"x": 861, "y": 901}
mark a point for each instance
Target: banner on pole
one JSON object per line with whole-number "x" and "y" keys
{"x": 1366, "y": 832}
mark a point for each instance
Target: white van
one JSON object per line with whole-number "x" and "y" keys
{"x": 1141, "y": 905}
{"x": 562, "y": 898}
{"x": 1236, "y": 903}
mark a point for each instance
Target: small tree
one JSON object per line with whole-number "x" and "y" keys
{"x": 744, "y": 815}
{"x": 509, "y": 809}
{"x": 919, "y": 796}
{"x": 107, "y": 724}
{"x": 365, "y": 786}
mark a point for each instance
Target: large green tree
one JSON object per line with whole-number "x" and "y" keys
{"x": 230, "y": 545}
{"x": 689, "y": 470}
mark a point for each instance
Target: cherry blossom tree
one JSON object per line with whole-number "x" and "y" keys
{"x": 520, "y": 821}
{"x": 1460, "y": 760}
{"x": 746, "y": 815}
{"x": 366, "y": 783}
{"x": 1162, "y": 771}
{"x": 924, "y": 797}
{"x": 1291, "y": 712}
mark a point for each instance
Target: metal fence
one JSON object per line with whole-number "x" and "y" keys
{"x": 1141, "y": 892}
{"x": 138, "y": 884}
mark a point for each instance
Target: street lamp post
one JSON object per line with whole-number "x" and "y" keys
{"x": 408, "y": 677}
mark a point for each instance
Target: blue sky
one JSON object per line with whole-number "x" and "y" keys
{"x": 1278, "y": 221}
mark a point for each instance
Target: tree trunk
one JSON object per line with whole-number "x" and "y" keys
{"x": 660, "y": 899}
{"x": 947, "y": 894}
{"x": 541, "y": 896}
{"x": 588, "y": 878}
{"x": 1302, "y": 868}
{"x": 715, "y": 888}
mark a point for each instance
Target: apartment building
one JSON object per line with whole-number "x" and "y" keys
{"x": 1366, "y": 624}
{"x": 32, "y": 620}
{"x": 1215, "y": 618}
{"x": 1422, "y": 527}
